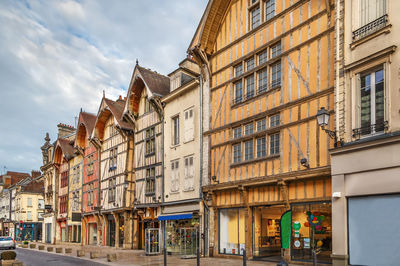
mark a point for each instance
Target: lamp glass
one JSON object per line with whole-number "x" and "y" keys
{"x": 322, "y": 117}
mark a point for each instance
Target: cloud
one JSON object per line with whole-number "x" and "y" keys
{"x": 58, "y": 56}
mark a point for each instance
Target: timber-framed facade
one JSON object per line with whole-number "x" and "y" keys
{"x": 144, "y": 111}
{"x": 114, "y": 138}
{"x": 267, "y": 68}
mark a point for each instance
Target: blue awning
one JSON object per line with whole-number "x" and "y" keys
{"x": 175, "y": 217}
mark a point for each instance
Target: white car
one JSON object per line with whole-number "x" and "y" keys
{"x": 7, "y": 242}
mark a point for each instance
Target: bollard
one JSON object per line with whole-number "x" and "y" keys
{"x": 59, "y": 250}
{"x": 41, "y": 247}
{"x": 68, "y": 250}
{"x": 198, "y": 256}
{"x": 244, "y": 257}
{"x": 165, "y": 256}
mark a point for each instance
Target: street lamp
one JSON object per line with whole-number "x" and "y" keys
{"x": 323, "y": 121}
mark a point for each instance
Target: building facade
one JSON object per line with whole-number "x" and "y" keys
{"x": 182, "y": 208}
{"x": 144, "y": 111}
{"x": 365, "y": 169}
{"x": 267, "y": 68}
{"x": 90, "y": 181}
{"x": 115, "y": 139}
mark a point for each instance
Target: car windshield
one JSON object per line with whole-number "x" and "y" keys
{"x": 5, "y": 238}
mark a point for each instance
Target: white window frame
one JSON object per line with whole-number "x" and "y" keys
{"x": 189, "y": 173}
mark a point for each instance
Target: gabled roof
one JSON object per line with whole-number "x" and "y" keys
{"x": 85, "y": 127}
{"x": 156, "y": 85}
{"x": 63, "y": 147}
{"x": 209, "y": 25}
{"x": 109, "y": 108}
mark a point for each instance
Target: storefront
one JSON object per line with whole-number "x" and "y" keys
{"x": 28, "y": 231}
{"x": 63, "y": 230}
{"x": 182, "y": 234}
{"x": 92, "y": 233}
{"x": 231, "y": 231}
{"x": 121, "y": 229}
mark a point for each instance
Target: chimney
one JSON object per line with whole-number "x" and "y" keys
{"x": 35, "y": 173}
{"x": 64, "y": 130}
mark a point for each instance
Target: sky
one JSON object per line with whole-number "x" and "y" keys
{"x": 57, "y": 57}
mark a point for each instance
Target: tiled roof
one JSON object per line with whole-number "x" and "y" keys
{"x": 156, "y": 83}
{"x": 66, "y": 147}
{"x": 89, "y": 120}
{"x": 34, "y": 186}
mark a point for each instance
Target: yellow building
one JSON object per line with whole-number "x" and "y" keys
{"x": 267, "y": 68}
{"x": 75, "y": 197}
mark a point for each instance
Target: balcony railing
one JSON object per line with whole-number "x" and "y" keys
{"x": 368, "y": 130}
{"x": 369, "y": 28}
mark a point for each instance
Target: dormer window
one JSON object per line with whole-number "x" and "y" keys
{"x": 148, "y": 107}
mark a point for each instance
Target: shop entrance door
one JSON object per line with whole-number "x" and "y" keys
{"x": 189, "y": 242}
{"x": 267, "y": 232}
{"x": 152, "y": 241}
{"x": 112, "y": 233}
{"x": 48, "y": 233}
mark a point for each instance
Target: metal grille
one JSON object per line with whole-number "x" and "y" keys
{"x": 379, "y": 127}
{"x": 369, "y": 28}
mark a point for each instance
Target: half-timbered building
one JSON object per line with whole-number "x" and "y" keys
{"x": 114, "y": 137}
{"x": 64, "y": 151}
{"x": 144, "y": 111}
{"x": 90, "y": 180}
{"x": 75, "y": 196}
{"x": 267, "y": 68}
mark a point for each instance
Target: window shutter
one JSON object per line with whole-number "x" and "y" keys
{"x": 191, "y": 125}
{"x": 191, "y": 173}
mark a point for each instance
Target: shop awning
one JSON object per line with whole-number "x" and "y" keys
{"x": 175, "y": 217}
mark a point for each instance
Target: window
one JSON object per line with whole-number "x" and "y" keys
{"x": 237, "y": 153}
{"x": 372, "y": 102}
{"x": 113, "y": 158}
{"x": 276, "y": 75}
{"x": 237, "y": 132}
{"x": 189, "y": 174}
{"x": 263, "y": 57}
{"x": 262, "y": 80}
{"x": 41, "y": 204}
{"x": 76, "y": 202}
{"x": 238, "y": 70}
{"x": 261, "y": 147}
{"x": 274, "y": 144}
{"x": 76, "y": 175}
{"x": 370, "y": 10}
{"x": 270, "y": 9}
{"x": 238, "y": 91}
{"x": 248, "y": 150}
{"x": 29, "y": 202}
{"x": 150, "y": 181}
{"x": 250, "y": 64}
{"x": 261, "y": 125}
{"x": 275, "y": 120}
{"x": 255, "y": 17}
{"x": 29, "y": 215}
{"x": 63, "y": 204}
{"x": 148, "y": 107}
{"x": 188, "y": 125}
{"x": 175, "y": 176}
{"x": 64, "y": 179}
{"x": 112, "y": 131}
{"x": 150, "y": 141}
{"x": 175, "y": 130}
{"x": 232, "y": 231}
{"x": 275, "y": 50}
{"x": 248, "y": 129}
{"x": 250, "y": 87}
{"x": 111, "y": 189}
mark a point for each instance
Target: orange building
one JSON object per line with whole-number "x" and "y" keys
{"x": 267, "y": 68}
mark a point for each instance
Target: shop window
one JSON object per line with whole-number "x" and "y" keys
{"x": 182, "y": 229}
{"x": 232, "y": 231}
{"x": 312, "y": 226}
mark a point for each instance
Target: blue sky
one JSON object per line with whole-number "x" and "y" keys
{"x": 58, "y": 56}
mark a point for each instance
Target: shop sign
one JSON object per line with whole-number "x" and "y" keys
{"x": 286, "y": 229}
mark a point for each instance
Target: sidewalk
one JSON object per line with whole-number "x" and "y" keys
{"x": 138, "y": 258}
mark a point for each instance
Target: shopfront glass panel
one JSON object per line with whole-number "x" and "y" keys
{"x": 181, "y": 241}
{"x": 232, "y": 231}
{"x": 312, "y": 226}
{"x": 266, "y": 231}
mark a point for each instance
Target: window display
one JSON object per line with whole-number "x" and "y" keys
{"x": 267, "y": 231}
{"x": 232, "y": 231}
{"x": 182, "y": 236}
{"x": 312, "y": 227}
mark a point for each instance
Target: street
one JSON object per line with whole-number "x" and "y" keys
{"x": 36, "y": 258}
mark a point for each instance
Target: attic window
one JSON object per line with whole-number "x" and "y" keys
{"x": 148, "y": 107}
{"x": 185, "y": 79}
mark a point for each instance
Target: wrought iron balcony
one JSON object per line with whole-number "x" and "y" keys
{"x": 372, "y": 129}
{"x": 369, "y": 28}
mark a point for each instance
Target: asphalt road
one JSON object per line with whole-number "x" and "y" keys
{"x": 37, "y": 258}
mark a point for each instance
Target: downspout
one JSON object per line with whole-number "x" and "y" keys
{"x": 97, "y": 145}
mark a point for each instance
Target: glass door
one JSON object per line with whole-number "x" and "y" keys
{"x": 189, "y": 241}
{"x": 152, "y": 241}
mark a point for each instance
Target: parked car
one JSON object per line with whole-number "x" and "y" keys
{"x": 7, "y": 242}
